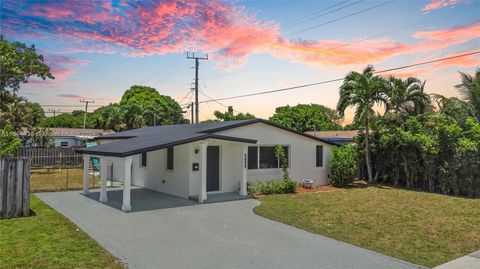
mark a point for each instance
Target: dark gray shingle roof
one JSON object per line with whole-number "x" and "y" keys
{"x": 157, "y": 137}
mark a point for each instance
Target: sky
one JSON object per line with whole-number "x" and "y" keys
{"x": 98, "y": 49}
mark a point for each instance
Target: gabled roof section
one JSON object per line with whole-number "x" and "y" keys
{"x": 157, "y": 137}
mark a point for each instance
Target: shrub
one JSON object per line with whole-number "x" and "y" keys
{"x": 9, "y": 141}
{"x": 343, "y": 165}
{"x": 273, "y": 187}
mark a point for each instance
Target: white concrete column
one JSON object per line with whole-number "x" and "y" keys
{"x": 243, "y": 181}
{"x": 126, "y": 207}
{"x": 202, "y": 197}
{"x": 103, "y": 180}
{"x": 86, "y": 165}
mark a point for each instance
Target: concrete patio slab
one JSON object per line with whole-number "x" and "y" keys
{"x": 469, "y": 261}
{"x": 168, "y": 232}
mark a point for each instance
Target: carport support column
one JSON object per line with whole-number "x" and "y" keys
{"x": 126, "y": 207}
{"x": 86, "y": 166}
{"x": 202, "y": 197}
{"x": 103, "y": 180}
{"x": 243, "y": 182}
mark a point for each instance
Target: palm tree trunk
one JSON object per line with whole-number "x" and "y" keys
{"x": 367, "y": 152}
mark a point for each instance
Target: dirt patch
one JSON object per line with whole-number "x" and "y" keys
{"x": 317, "y": 189}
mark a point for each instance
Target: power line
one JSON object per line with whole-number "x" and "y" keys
{"x": 340, "y": 79}
{"x": 169, "y": 65}
{"x": 342, "y": 18}
{"x": 44, "y": 105}
{"x": 311, "y": 17}
{"x": 332, "y": 48}
{"x": 185, "y": 97}
{"x": 217, "y": 101}
{"x": 293, "y": 23}
{"x": 197, "y": 64}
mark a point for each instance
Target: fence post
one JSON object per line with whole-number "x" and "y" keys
{"x": 3, "y": 183}
{"x": 14, "y": 187}
{"x": 18, "y": 195}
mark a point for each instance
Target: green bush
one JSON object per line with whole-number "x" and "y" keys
{"x": 343, "y": 165}
{"x": 273, "y": 187}
{"x": 9, "y": 141}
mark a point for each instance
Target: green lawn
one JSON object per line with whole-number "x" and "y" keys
{"x": 49, "y": 240}
{"x": 56, "y": 180}
{"x": 423, "y": 228}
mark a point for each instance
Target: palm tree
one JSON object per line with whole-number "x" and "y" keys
{"x": 470, "y": 90}
{"x": 362, "y": 91}
{"x": 406, "y": 96}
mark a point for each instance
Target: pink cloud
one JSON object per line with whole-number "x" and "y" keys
{"x": 227, "y": 32}
{"x": 471, "y": 61}
{"x": 436, "y": 4}
{"x": 72, "y": 96}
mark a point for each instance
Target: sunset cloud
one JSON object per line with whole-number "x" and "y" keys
{"x": 227, "y": 32}
{"x": 71, "y": 96}
{"x": 436, "y": 4}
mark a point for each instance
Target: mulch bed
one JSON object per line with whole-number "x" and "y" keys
{"x": 317, "y": 189}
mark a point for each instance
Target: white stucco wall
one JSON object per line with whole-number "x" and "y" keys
{"x": 302, "y": 153}
{"x": 72, "y": 141}
{"x": 184, "y": 182}
{"x": 231, "y": 161}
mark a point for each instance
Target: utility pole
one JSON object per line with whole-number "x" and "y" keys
{"x": 86, "y": 101}
{"x": 53, "y": 111}
{"x": 197, "y": 63}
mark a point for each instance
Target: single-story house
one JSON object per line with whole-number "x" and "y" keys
{"x": 195, "y": 160}
{"x": 336, "y": 137}
{"x": 73, "y": 137}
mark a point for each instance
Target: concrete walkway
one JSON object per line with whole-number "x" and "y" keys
{"x": 470, "y": 261}
{"x": 169, "y": 232}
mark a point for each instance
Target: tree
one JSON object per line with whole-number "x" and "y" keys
{"x": 39, "y": 137}
{"x": 16, "y": 115}
{"x": 304, "y": 117}
{"x": 406, "y": 96}
{"x": 18, "y": 63}
{"x": 470, "y": 90}
{"x": 362, "y": 91}
{"x": 229, "y": 116}
{"x": 343, "y": 165}
{"x": 66, "y": 120}
{"x": 134, "y": 116}
{"x": 110, "y": 117}
{"x": 167, "y": 110}
{"x": 9, "y": 141}
{"x": 452, "y": 107}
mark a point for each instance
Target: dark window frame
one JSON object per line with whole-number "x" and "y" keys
{"x": 62, "y": 144}
{"x": 143, "y": 159}
{"x": 170, "y": 156}
{"x": 257, "y": 157}
{"x": 319, "y": 161}
{"x": 252, "y": 165}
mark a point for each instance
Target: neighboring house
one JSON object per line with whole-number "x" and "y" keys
{"x": 335, "y": 137}
{"x": 72, "y": 137}
{"x": 194, "y": 160}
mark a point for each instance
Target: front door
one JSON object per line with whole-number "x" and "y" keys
{"x": 213, "y": 168}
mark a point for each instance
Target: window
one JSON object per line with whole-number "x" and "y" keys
{"x": 268, "y": 158}
{"x": 170, "y": 158}
{"x": 143, "y": 160}
{"x": 252, "y": 157}
{"x": 319, "y": 156}
{"x": 64, "y": 144}
{"x": 264, "y": 157}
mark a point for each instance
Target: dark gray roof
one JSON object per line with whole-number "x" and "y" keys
{"x": 157, "y": 137}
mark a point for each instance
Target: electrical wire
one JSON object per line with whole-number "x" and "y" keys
{"x": 340, "y": 79}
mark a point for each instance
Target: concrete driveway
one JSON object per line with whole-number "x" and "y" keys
{"x": 169, "y": 232}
